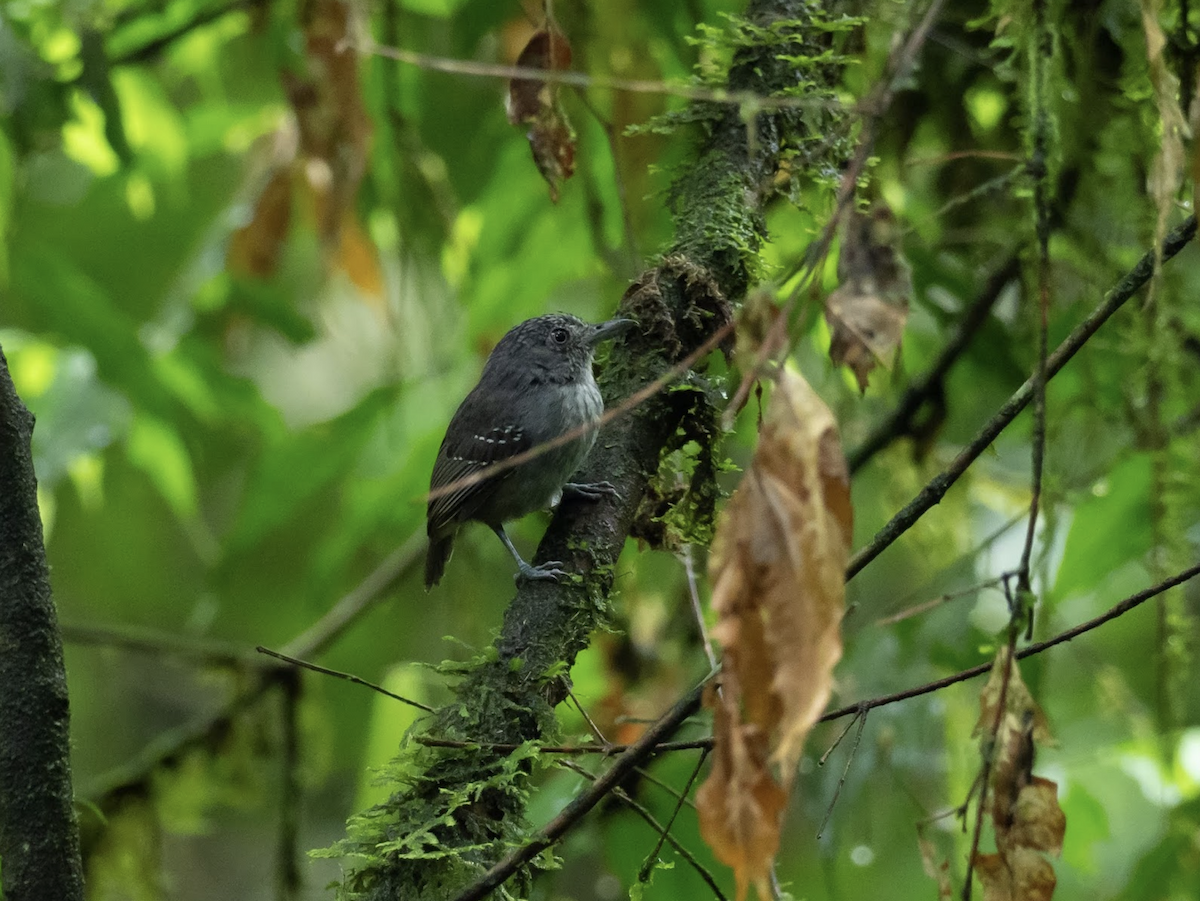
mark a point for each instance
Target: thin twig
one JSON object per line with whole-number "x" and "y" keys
{"x": 824, "y": 758}
{"x": 689, "y": 567}
{"x": 477, "y": 69}
{"x": 644, "y": 872}
{"x": 665, "y": 786}
{"x": 643, "y": 748}
{"x": 664, "y": 832}
{"x": 591, "y": 724}
{"x": 926, "y": 606}
{"x": 349, "y": 677}
{"x": 605, "y": 749}
{"x": 1112, "y": 613}
{"x": 369, "y": 592}
{"x": 936, "y": 489}
{"x": 970, "y": 556}
{"x": 862, "y": 723}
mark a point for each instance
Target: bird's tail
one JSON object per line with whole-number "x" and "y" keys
{"x": 440, "y": 548}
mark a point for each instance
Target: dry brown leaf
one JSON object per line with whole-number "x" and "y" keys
{"x": 1022, "y": 875}
{"x": 1018, "y": 701}
{"x": 778, "y": 570}
{"x": 740, "y": 805}
{"x": 1026, "y": 817}
{"x": 536, "y": 103}
{"x": 868, "y": 311}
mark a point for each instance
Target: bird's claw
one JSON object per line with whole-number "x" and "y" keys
{"x": 544, "y": 572}
{"x": 591, "y": 491}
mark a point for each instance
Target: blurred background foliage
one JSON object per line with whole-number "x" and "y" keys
{"x": 246, "y": 277}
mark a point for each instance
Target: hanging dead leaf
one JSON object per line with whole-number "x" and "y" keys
{"x": 778, "y": 570}
{"x": 535, "y": 102}
{"x": 1018, "y": 701}
{"x": 1026, "y": 817}
{"x": 740, "y": 805}
{"x": 868, "y": 311}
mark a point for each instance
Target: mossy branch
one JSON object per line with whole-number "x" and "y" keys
{"x": 457, "y": 811}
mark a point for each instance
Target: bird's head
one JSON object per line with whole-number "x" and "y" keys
{"x": 556, "y": 348}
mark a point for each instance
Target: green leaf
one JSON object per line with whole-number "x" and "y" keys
{"x": 291, "y": 472}
{"x": 1109, "y": 529}
{"x": 156, "y": 449}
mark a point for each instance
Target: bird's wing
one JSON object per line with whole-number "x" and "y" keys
{"x": 466, "y": 452}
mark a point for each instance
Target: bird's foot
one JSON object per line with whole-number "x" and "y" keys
{"x": 591, "y": 491}
{"x": 545, "y": 572}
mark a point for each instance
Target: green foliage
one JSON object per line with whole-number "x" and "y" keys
{"x": 223, "y": 456}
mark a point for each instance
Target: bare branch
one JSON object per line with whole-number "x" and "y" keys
{"x": 933, "y": 492}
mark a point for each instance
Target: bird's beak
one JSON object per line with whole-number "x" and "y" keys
{"x": 610, "y": 329}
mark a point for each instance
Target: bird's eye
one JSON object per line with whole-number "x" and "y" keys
{"x": 559, "y": 336}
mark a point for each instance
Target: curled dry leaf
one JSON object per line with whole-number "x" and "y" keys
{"x": 1027, "y": 819}
{"x": 868, "y": 311}
{"x": 536, "y": 103}
{"x": 778, "y": 571}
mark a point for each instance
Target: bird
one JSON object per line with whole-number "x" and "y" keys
{"x": 537, "y": 385}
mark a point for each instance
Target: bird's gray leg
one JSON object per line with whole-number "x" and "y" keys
{"x": 547, "y": 571}
{"x": 590, "y": 491}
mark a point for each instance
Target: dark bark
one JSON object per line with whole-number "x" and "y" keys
{"x": 464, "y": 805}
{"x": 39, "y": 836}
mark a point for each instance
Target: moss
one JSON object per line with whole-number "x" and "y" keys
{"x": 456, "y": 811}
